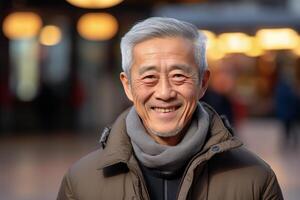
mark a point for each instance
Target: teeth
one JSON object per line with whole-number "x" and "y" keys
{"x": 164, "y": 110}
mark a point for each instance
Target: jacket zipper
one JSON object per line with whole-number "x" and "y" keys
{"x": 165, "y": 189}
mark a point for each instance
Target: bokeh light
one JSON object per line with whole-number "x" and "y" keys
{"x": 277, "y": 39}
{"x": 50, "y": 35}
{"x": 94, "y": 3}
{"x": 97, "y": 26}
{"x": 234, "y": 42}
{"x": 213, "y": 51}
{"x": 21, "y": 25}
{"x": 255, "y": 49}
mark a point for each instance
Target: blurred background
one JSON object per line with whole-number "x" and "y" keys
{"x": 59, "y": 81}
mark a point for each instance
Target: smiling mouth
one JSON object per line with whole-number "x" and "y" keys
{"x": 165, "y": 109}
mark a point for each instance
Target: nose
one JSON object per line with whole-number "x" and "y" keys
{"x": 164, "y": 90}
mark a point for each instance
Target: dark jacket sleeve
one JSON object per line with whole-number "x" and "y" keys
{"x": 272, "y": 189}
{"x": 65, "y": 190}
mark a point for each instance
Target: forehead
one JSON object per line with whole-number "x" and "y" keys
{"x": 163, "y": 47}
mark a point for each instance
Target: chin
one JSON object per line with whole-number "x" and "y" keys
{"x": 165, "y": 134}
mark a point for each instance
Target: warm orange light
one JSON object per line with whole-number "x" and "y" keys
{"x": 50, "y": 35}
{"x": 97, "y": 26}
{"x": 234, "y": 42}
{"x": 256, "y": 49}
{"x": 276, "y": 39}
{"x": 296, "y": 51}
{"x": 213, "y": 51}
{"x": 211, "y": 38}
{"x": 21, "y": 25}
{"x": 94, "y": 3}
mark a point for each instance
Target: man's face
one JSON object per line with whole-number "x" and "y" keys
{"x": 164, "y": 85}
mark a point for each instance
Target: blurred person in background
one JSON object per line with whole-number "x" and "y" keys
{"x": 287, "y": 102}
{"x": 217, "y": 94}
{"x": 168, "y": 145}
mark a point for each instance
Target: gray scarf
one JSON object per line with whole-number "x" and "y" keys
{"x": 163, "y": 157}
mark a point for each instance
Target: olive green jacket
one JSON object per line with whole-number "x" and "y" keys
{"x": 223, "y": 170}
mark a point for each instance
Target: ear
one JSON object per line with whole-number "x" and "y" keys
{"x": 204, "y": 83}
{"x": 126, "y": 85}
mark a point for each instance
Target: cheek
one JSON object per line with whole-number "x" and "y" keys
{"x": 189, "y": 93}
{"x": 140, "y": 92}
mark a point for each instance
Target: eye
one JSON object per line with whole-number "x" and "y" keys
{"x": 149, "y": 78}
{"x": 178, "y": 77}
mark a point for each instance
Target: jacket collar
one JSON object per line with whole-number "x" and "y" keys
{"x": 119, "y": 149}
{"x": 220, "y": 136}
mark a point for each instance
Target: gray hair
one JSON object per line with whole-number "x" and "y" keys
{"x": 159, "y": 27}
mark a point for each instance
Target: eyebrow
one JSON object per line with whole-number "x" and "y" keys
{"x": 143, "y": 69}
{"x": 183, "y": 67}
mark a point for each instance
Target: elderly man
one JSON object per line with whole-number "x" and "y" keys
{"x": 168, "y": 145}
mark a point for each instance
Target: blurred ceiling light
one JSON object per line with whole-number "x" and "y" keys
{"x": 213, "y": 52}
{"x": 50, "y": 35}
{"x": 94, "y": 3}
{"x": 97, "y": 26}
{"x": 234, "y": 42}
{"x": 211, "y": 38}
{"x": 256, "y": 49}
{"x": 276, "y": 39}
{"x": 296, "y": 51}
{"x": 21, "y": 25}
